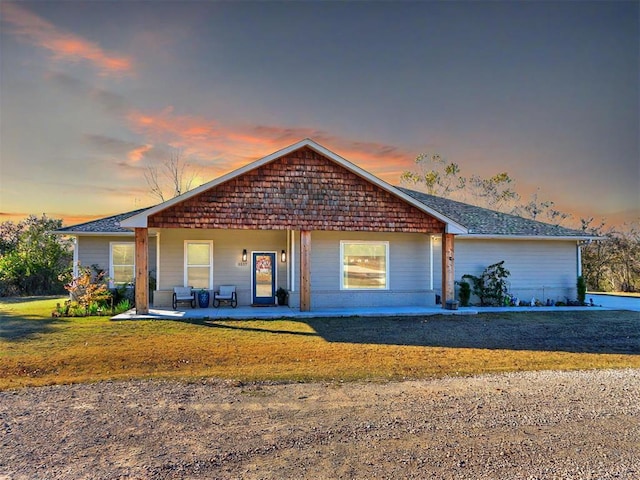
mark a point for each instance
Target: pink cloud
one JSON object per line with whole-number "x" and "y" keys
{"x": 208, "y": 139}
{"x": 136, "y": 154}
{"x": 63, "y": 45}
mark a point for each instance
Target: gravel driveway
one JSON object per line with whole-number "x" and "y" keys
{"x": 537, "y": 425}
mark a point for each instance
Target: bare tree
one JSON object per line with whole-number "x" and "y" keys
{"x": 436, "y": 176}
{"x": 543, "y": 210}
{"x": 173, "y": 177}
{"x": 495, "y": 192}
{"x": 613, "y": 262}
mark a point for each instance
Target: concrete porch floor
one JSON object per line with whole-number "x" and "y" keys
{"x": 248, "y": 312}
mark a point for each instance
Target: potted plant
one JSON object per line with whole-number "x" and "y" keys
{"x": 282, "y": 294}
{"x": 203, "y": 298}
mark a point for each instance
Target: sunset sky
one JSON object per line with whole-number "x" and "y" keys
{"x": 94, "y": 92}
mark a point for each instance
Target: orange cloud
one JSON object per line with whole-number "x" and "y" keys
{"x": 63, "y": 45}
{"x": 237, "y": 145}
{"x": 137, "y": 153}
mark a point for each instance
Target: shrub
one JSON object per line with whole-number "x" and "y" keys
{"x": 94, "y": 309}
{"x": 123, "y": 305}
{"x": 465, "y": 293}
{"x": 582, "y": 289}
{"x": 32, "y": 257}
{"x": 89, "y": 291}
{"x": 491, "y": 286}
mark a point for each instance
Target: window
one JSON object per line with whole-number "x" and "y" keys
{"x": 198, "y": 264}
{"x": 122, "y": 263}
{"x": 365, "y": 265}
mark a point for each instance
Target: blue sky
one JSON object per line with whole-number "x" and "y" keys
{"x": 93, "y": 92}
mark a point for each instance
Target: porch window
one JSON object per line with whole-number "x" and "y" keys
{"x": 121, "y": 263}
{"x": 198, "y": 264}
{"x": 365, "y": 265}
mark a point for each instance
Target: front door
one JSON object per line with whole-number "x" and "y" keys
{"x": 264, "y": 278}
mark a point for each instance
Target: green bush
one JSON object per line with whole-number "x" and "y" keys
{"x": 491, "y": 286}
{"x": 123, "y": 305}
{"x": 32, "y": 258}
{"x": 464, "y": 294}
{"x": 582, "y": 289}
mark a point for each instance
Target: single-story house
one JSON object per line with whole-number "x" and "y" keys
{"x": 328, "y": 232}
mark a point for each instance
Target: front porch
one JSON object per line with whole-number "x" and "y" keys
{"x": 271, "y": 313}
{"x": 372, "y": 243}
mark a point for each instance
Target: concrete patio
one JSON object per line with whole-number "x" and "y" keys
{"x": 248, "y": 312}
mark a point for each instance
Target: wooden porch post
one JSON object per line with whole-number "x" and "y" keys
{"x": 448, "y": 280}
{"x": 305, "y": 271}
{"x": 142, "y": 271}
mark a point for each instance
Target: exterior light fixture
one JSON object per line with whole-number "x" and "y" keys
{"x": 244, "y": 255}
{"x": 283, "y": 256}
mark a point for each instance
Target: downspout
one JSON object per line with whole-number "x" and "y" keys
{"x": 430, "y": 262}
{"x": 288, "y": 265}
{"x": 579, "y": 258}
{"x": 292, "y": 260}
{"x": 158, "y": 260}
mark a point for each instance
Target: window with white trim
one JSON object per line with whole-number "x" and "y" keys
{"x": 122, "y": 266}
{"x": 364, "y": 265}
{"x": 198, "y": 264}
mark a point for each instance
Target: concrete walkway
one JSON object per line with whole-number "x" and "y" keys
{"x": 615, "y": 302}
{"x": 247, "y": 312}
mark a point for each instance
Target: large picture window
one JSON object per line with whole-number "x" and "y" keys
{"x": 122, "y": 263}
{"x": 365, "y": 265}
{"x": 198, "y": 264}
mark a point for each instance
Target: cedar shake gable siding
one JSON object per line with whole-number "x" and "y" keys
{"x": 303, "y": 190}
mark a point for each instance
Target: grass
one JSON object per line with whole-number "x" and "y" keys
{"x": 36, "y": 349}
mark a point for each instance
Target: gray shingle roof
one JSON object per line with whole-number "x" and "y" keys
{"x": 478, "y": 220}
{"x": 102, "y": 225}
{"x": 482, "y": 221}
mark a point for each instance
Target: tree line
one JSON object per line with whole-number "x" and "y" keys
{"x": 32, "y": 258}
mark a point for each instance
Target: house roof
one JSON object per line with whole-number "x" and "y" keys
{"x": 101, "y": 226}
{"x": 484, "y": 222}
{"x": 460, "y": 218}
{"x": 141, "y": 219}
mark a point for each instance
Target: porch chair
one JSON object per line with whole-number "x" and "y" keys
{"x": 183, "y": 294}
{"x": 226, "y": 293}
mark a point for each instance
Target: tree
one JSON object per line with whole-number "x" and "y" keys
{"x": 495, "y": 192}
{"x": 613, "y": 263}
{"x": 174, "y": 177}
{"x": 436, "y": 176}
{"x": 32, "y": 257}
{"x": 543, "y": 210}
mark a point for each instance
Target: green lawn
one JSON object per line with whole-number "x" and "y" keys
{"x": 36, "y": 349}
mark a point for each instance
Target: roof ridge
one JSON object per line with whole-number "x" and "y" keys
{"x": 117, "y": 216}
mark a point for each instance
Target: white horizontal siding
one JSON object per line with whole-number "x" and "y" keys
{"x": 544, "y": 269}
{"x": 228, "y": 268}
{"x": 409, "y": 272}
{"x": 94, "y": 250}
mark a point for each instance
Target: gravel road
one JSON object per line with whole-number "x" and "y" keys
{"x": 534, "y": 425}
